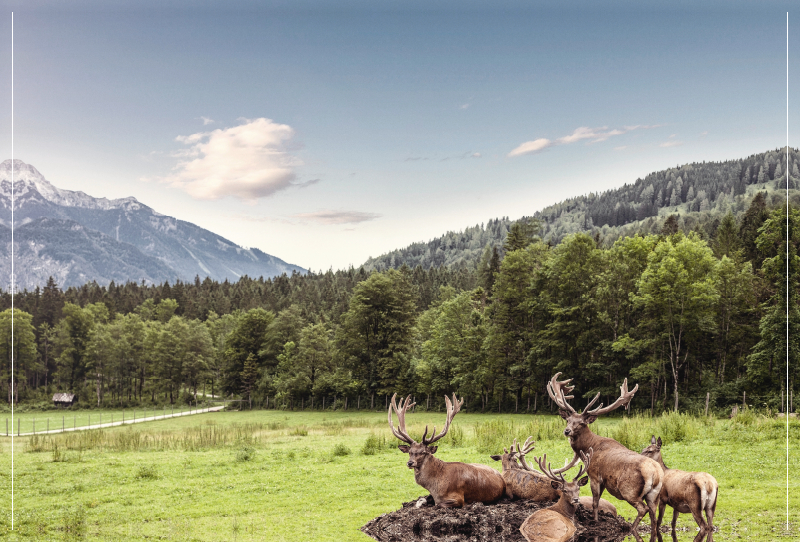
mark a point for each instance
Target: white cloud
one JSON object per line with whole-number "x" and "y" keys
{"x": 594, "y": 135}
{"x": 338, "y": 217}
{"x": 530, "y": 147}
{"x": 248, "y": 161}
{"x": 673, "y": 143}
{"x": 206, "y": 121}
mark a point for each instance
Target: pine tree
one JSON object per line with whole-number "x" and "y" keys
{"x": 248, "y": 378}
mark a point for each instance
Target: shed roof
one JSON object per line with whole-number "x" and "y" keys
{"x": 63, "y": 397}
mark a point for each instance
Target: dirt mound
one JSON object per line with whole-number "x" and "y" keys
{"x": 477, "y": 522}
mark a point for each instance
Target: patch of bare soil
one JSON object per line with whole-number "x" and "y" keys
{"x": 499, "y": 522}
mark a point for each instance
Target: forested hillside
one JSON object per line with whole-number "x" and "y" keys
{"x": 700, "y": 194}
{"x": 694, "y": 308}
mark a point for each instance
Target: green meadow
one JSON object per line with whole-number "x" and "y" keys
{"x": 274, "y": 475}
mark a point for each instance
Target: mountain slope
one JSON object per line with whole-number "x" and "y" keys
{"x": 184, "y": 249}
{"x": 698, "y": 193}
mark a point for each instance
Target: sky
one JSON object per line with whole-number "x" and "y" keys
{"x": 324, "y": 133}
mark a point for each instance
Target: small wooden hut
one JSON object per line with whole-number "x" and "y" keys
{"x": 64, "y": 399}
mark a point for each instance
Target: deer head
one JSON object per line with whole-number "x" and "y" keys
{"x": 570, "y": 491}
{"x": 418, "y": 452}
{"x": 576, "y": 422}
{"x": 509, "y": 458}
{"x": 654, "y": 451}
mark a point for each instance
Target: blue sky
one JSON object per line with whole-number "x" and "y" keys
{"x": 324, "y": 132}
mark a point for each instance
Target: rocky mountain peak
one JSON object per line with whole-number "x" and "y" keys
{"x": 28, "y": 182}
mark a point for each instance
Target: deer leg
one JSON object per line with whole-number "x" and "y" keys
{"x": 642, "y": 510}
{"x": 652, "y": 501}
{"x": 452, "y": 501}
{"x": 674, "y": 519}
{"x": 661, "y": 507}
{"x": 597, "y": 492}
{"x": 710, "y": 516}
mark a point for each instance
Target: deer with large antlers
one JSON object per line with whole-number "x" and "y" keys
{"x": 686, "y": 492}
{"x": 524, "y": 482}
{"x": 451, "y": 484}
{"x": 627, "y": 475}
{"x": 557, "y": 523}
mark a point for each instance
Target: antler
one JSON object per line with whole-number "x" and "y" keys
{"x": 585, "y": 458}
{"x": 401, "y": 432}
{"x": 624, "y": 399}
{"x": 567, "y": 464}
{"x": 556, "y": 390}
{"x": 547, "y": 471}
{"x": 452, "y": 409}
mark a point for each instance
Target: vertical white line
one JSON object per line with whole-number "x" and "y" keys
{"x": 787, "y": 272}
{"x": 12, "y": 271}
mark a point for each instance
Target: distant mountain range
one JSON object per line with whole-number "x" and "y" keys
{"x": 699, "y": 193}
{"x": 76, "y": 238}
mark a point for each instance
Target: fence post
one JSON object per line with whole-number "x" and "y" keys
{"x": 708, "y": 395}
{"x": 6, "y": 426}
{"x": 48, "y": 425}
{"x": 744, "y": 399}
{"x": 89, "y": 426}
{"x": 34, "y": 426}
{"x": 63, "y": 420}
{"x": 19, "y": 424}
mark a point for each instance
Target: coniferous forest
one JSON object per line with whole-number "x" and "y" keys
{"x": 693, "y": 307}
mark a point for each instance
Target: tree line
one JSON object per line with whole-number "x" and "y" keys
{"x": 679, "y": 312}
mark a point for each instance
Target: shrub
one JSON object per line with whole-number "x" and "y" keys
{"x": 147, "y": 472}
{"x": 373, "y": 444}
{"x": 299, "y": 431}
{"x": 340, "y": 450}
{"x": 245, "y": 453}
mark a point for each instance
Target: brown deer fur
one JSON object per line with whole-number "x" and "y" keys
{"x": 451, "y": 484}
{"x": 527, "y": 484}
{"x": 627, "y": 475}
{"x": 557, "y": 522}
{"x": 685, "y": 492}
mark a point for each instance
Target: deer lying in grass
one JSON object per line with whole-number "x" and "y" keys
{"x": 625, "y": 474}
{"x": 557, "y": 523}
{"x": 451, "y": 484}
{"x": 685, "y": 492}
{"x": 523, "y": 482}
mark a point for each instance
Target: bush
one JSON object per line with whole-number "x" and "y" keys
{"x": 299, "y": 431}
{"x": 147, "y": 472}
{"x": 340, "y": 450}
{"x": 245, "y": 453}
{"x": 374, "y": 444}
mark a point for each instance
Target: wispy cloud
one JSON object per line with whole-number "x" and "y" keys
{"x": 462, "y": 156}
{"x": 207, "y": 121}
{"x": 306, "y": 184}
{"x": 593, "y": 135}
{"x": 673, "y": 143}
{"x": 249, "y": 161}
{"x": 337, "y": 217}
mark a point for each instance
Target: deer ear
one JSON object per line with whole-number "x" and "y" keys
{"x": 432, "y": 449}
{"x": 588, "y": 418}
{"x": 563, "y": 413}
{"x": 659, "y": 443}
{"x": 653, "y": 440}
{"x": 583, "y": 481}
{"x": 403, "y": 448}
{"x": 496, "y": 457}
{"x": 555, "y": 484}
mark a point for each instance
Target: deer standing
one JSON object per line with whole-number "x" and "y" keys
{"x": 523, "y": 482}
{"x": 627, "y": 475}
{"x": 451, "y": 484}
{"x": 557, "y": 522}
{"x": 686, "y": 492}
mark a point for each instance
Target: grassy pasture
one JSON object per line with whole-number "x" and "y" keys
{"x": 271, "y": 475}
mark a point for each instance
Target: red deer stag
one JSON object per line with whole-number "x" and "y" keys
{"x": 557, "y": 523}
{"x": 523, "y": 482}
{"x": 686, "y": 492}
{"x": 625, "y": 474}
{"x": 451, "y": 484}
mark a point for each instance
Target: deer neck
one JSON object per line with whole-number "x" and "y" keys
{"x": 430, "y": 473}
{"x": 583, "y": 441}
{"x": 564, "y": 507}
{"x": 661, "y": 462}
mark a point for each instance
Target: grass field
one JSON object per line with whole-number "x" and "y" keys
{"x": 271, "y": 475}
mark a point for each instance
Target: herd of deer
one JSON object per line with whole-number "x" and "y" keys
{"x": 642, "y": 480}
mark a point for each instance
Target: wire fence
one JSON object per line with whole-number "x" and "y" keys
{"x": 81, "y": 420}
